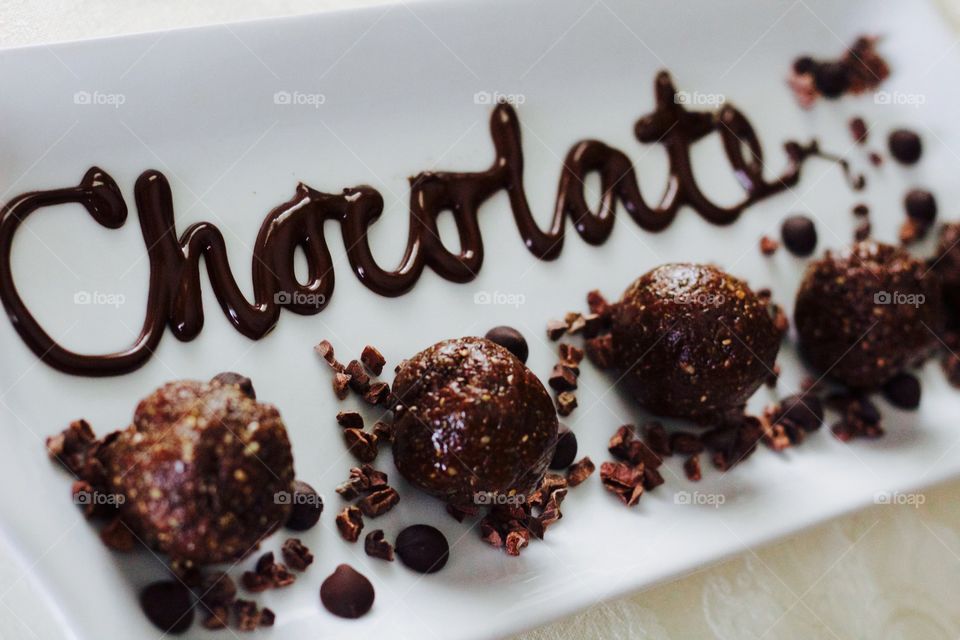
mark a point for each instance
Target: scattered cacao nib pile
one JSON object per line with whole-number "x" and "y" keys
{"x": 364, "y": 445}
{"x": 372, "y": 497}
{"x": 859, "y": 69}
{"x": 356, "y": 374}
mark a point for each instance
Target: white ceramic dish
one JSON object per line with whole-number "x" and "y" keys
{"x": 386, "y": 93}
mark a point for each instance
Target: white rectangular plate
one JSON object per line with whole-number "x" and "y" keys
{"x": 398, "y": 87}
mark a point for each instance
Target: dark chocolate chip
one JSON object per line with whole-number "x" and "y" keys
{"x": 921, "y": 206}
{"x": 831, "y": 79}
{"x": 905, "y": 146}
{"x": 346, "y": 593}
{"x": 245, "y": 384}
{"x": 168, "y": 605}
{"x": 511, "y": 340}
{"x": 307, "y": 507}
{"x": 566, "y": 451}
{"x": 423, "y": 548}
{"x": 861, "y": 210}
{"x": 799, "y": 235}
{"x": 903, "y": 390}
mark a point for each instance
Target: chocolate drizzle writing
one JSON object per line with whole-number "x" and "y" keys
{"x": 174, "y": 296}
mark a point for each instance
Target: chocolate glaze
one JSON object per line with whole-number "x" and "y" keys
{"x": 174, "y": 296}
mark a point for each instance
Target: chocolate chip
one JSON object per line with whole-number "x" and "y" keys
{"x": 799, "y": 235}
{"x": 858, "y": 129}
{"x": 350, "y": 523}
{"x": 373, "y": 360}
{"x": 168, "y": 605}
{"x": 511, "y": 340}
{"x": 566, "y": 451}
{"x": 296, "y": 554}
{"x": 921, "y": 206}
{"x": 580, "y": 471}
{"x": 307, "y": 507}
{"x": 831, "y": 78}
{"x": 231, "y": 378}
{"x": 379, "y": 502}
{"x": 903, "y": 390}
{"x": 422, "y": 548}
{"x": 861, "y": 210}
{"x": 905, "y": 146}
{"x": 376, "y": 546}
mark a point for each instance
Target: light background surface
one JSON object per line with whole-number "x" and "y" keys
{"x": 888, "y": 572}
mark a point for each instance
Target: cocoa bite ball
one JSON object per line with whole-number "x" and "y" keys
{"x": 199, "y": 468}
{"x": 693, "y": 341}
{"x": 866, "y": 313}
{"x": 471, "y": 419}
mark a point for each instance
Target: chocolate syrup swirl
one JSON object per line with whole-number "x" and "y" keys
{"x": 174, "y": 296}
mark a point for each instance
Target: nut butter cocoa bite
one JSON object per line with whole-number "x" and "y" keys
{"x": 199, "y": 469}
{"x": 693, "y": 341}
{"x": 866, "y": 313}
{"x": 471, "y": 419}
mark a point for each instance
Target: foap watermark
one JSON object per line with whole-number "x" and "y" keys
{"x": 300, "y": 299}
{"x": 897, "y": 297}
{"x": 93, "y": 498}
{"x": 501, "y": 298}
{"x": 309, "y": 499}
{"x": 699, "y": 499}
{"x": 497, "y": 498}
{"x": 299, "y": 99}
{"x": 99, "y": 98}
{"x": 702, "y": 299}
{"x": 900, "y": 98}
{"x": 699, "y": 99}
{"x": 897, "y": 498}
{"x": 496, "y": 97}
{"x": 99, "y": 298}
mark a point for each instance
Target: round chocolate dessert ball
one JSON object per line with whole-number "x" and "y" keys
{"x": 471, "y": 419}
{"x": 693, "y": 341}
{"x": 866, "y": 313}
{"x": 199, "y": 471}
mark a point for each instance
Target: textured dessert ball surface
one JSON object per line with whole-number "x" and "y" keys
{"x": 692, "y": 341}
{"x": 200, "y": 469}
{"x": 471, "y": 419}
{"x": 866, "y": 313}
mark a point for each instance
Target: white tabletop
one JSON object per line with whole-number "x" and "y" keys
{"x": 888, "y": 572}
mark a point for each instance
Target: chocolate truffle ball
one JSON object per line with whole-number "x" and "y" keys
{"x": 199, "y": 470}
{"x": 866, "y": 313}
{"x": 471, "y": 419}
{"x": 692, "y": 341}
